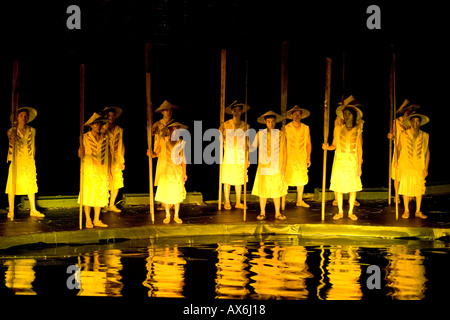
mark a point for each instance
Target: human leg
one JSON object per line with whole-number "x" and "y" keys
{"x": 418, "y": 213}
{"x": 167, "y": 208}
{"x": 278, "y": 215}
{"x": 405, "y": 215}
{"x": 262, "y": 206}
{"x": 351, "y": 202}
{"x": 11, "y": 197}
{"x": 300, "y": 202}
{"x": 176, "y": 218}
{"x": 226, "y": 191}
{"x": 33, "y": 210}
{"x": 112, "y": 201}
{"x": 339, "y": 199}
{"x": 97, "y": 221}
{"x": 87, "y": 213}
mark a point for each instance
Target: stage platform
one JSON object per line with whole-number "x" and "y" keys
{"x": 377, "y": 220}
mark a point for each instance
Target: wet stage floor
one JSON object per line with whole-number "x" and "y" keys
{"x": 375, "y": 219}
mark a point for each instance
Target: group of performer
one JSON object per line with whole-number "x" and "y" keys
{"x": 102, "y": 153}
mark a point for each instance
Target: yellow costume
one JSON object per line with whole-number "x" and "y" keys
{"x": 399, "y": 128}
{"x": 117, "y": 156}
{"x": 344, "y": 176}
{"x": 296, "y": 141}
{"x": 234, "y": 170}
{"x": 26, "y": 182}
{"x": 412, "y": 163}
{"x": 269, "y": 182}
{"x": 161, "y": 133}
{"x": 96, "y": 169}
{"x": 171, "y": 185}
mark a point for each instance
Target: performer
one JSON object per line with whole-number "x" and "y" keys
{"x": 269, "y": 179}
{"x": 346, "y": 172}
{"x": 234, "y": 170}
{"x": 171, "y": 189}
{"x": 413, "y": 162}
{"x": 298, "y": 145}
{"x": 117, "y": 149}
{"x": 97, "y": 169}
{"x": 338, "y": 121}
{"x": 407, "y": 108}
{"x": 26, "y": 182}
{"x": 160, "y": 131}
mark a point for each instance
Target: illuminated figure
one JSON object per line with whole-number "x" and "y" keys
{"x": 407, "y": 108}
{"x": 117, "y": 149}
{"x": 298, "y": 146}
{"x": 414, "y": 158}
{"x": 97, "y": 170}
{"x": 340, "y": 121}
{"x": 269, "y": 179}
{"x": 171, "y": 189}
{"x": 346, "y": 172}
{"x": 234, "y": 169}
{"x": 160, "y": 131}
{"x": 26, "y": 182}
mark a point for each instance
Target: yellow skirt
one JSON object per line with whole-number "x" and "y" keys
{"x": 117, "y": 178}
{"x": 170, "y": 189}
{"x": 26, "y": 181}
{"x": 344, "y": 176}
{"x": 95, "y": 189}
{"x": 269, "y": 186}
{"x": 296, "y": 174}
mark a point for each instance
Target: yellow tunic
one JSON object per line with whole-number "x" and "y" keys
{"x": 117, "y": 149}
{"x": 171, "y": 185}
{"x": 26, "y": 182}
{"x": 96, "y": 168}
{"x": 159, "y": 135}
{"x": 344, "y": 176}
{"x": 399, "y": 127}
{"x": 296, "y": 141}
{"x": 234, "y": 171}
{"x": 269, "y": 182}
{"x": 412, "y": 163}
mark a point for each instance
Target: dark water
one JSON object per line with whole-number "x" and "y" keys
{"x": 273, "y": 267}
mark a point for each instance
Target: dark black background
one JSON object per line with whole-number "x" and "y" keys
{"x": 187, "y": 37}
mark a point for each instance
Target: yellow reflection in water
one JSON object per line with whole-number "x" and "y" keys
{"x": 99, "y": 273}
{"x": 405, "y": 273}
{"x": 231, "y": 277}
{"x": 165, "y": 272}
{"x": 344, "y": 272}
{"x": 279, "y": 272}
{"x": 20, "y": 275}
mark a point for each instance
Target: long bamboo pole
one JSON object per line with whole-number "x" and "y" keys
{"x": 149, "y": 127}
{"x": 223, "y": 73}
{"x": 394, "y": 98}
{"x": 82, "y": 69}
{"x": 284, "y": 78}
{"x": 14, "y": 106}
{"x": 326, "y": 123}
{"x": 245, "y": 144}
{"x": 391, "y": 119}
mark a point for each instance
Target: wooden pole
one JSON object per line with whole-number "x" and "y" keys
{"x": 148, "y": 48}
{"x": 326, "y": 123}
{"x": 223, "y": 72}
{"x": 284, "y": 78}
{"x": 391, "y": 119}
{"x": 81, "y": 145}
{"x": 14, "y": 107}
{"x": 245, "y": 144}
{"x": 394, "y": 98}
